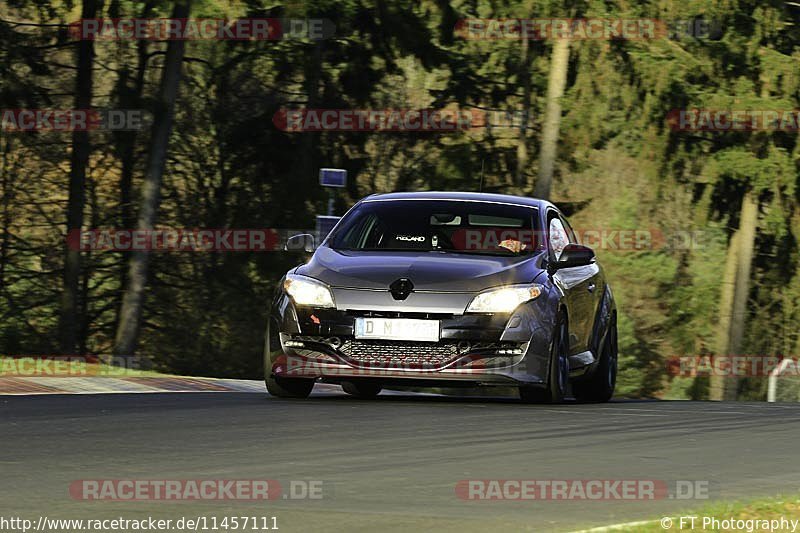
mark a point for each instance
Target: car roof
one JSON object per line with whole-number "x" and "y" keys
{"x": 466, "y": 196}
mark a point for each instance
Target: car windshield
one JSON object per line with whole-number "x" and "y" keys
{"x": 439, "y": 225}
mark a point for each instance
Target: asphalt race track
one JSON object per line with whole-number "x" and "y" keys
{"x": 390, "y": 464}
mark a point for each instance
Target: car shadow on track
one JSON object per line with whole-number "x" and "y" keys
{"x": 333, "y": 393}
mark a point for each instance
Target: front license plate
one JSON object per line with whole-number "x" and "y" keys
{"x": 399, "y": 329}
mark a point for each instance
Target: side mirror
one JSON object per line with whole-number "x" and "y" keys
{"x": 574, "y": 255}
{"x": 303, "y": 241}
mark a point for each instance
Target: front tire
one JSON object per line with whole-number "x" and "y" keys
{"x": 277, "y": 386}
{"x": 599, "y": 387}
{"x": 558, "y": 372}
{"x": 289, "y": 387}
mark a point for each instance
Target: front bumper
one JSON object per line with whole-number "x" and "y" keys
{"x": 473, "y": 349}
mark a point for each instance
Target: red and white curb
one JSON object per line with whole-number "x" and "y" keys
{"x": 140, "y": 384}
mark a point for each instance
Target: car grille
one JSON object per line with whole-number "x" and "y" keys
{"x": 404, "y": 354}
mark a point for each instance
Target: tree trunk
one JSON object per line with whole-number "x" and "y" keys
{"x": 86, "y": 275}
{"x": 309, "y": 150}
{"x": 747, "y": 227}
{"x": 130, "y": 99}
{"x": 723, "y": 343}
{"x": 69, "y": 320}
{"x": 556, "y": 83}
{"x": 130, "y": 314}
{"x": 736, "y": 290}
{"x": 522, "y": 143}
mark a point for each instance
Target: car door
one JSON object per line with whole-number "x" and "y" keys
{"x": 579, "y": 285}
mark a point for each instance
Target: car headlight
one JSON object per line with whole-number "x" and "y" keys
{"x": 308, "y": 291}
{"x": 504, "y": 299}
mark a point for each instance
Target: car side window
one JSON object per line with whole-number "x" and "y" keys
{"x": 557, "y": 236}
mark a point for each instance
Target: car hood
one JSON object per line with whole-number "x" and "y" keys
{"x": 432, "y": 271}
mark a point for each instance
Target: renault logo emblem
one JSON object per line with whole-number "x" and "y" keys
{"x": 401, "y": 288}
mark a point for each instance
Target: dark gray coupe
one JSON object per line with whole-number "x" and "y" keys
{"x": 446, "y": 289}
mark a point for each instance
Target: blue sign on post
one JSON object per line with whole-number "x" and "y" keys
{"x": 332, "y": 177}
{"x": 324, "y": 226}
